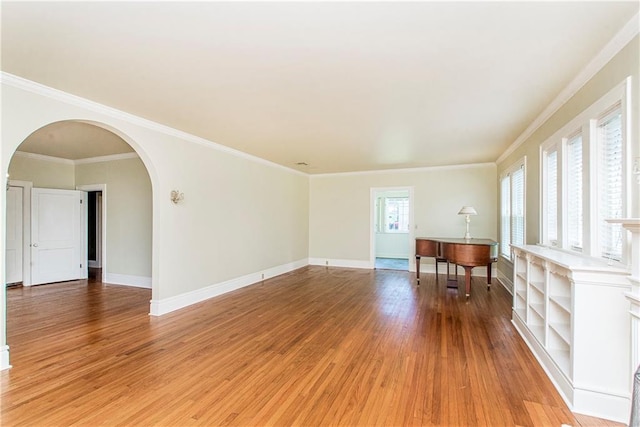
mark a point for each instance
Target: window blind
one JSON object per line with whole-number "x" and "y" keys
{"x": 517, "y": 207}
{"x": 551, "y": 197}
{"x": 574, "y": 193}
{"x": 505, "y": 209}
{"x": 610, "y": 185}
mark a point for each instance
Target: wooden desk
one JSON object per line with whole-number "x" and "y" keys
{"x": 468, "y": 253}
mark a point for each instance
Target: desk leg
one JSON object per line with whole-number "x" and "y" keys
{"x": 489, "y": 276}
{"x": 418, "y": 268}
{"x": 467, "y": 280}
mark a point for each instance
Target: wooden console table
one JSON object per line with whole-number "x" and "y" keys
{"x": 467, "y": 253}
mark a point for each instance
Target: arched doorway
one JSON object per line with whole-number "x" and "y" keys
{"x": 71, "y": 155}
{"x": 92, "y": 157}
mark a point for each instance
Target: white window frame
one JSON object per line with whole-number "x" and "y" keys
{"x": 507, "y": 241}
{"x": 586, "y": 124}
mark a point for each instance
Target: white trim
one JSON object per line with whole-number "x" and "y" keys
{"x": 58, "y": 95}
{"x": 611, "y": 49}
{"x": 26, "y": 228}
{"x": 345, "y": 263}
{"x": 126, "y": 280}
{"x": 108, "y": 158}
{"x": 4, "y": 357}
{"x": 430, "y": 267}
{"x": 43, "y": 158}
{"x": 167, "y": 305}
{"x": 406, "y": 170}
{"x": 506, "y": 282}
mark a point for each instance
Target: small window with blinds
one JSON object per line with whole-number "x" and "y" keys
{"x": 610, "y": 184}
{"x": 512, "y": 208}
{"x": 574, "y": 192}
{"x": 583, "y": 170}
{"x": 505, "y": 217}
{"x": 550, "y": 197}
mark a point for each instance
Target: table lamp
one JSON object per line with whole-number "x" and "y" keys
{"x": 468, "y": 211}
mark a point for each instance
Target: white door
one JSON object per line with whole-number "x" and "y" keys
{"x": 14, "y": 235}
{"x": 58, "y": 235}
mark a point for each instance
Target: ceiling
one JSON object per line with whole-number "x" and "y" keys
{"x": 341, "y": 86}
{"x": 74, "y": 141}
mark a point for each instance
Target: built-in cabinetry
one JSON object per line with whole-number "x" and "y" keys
{"x": 573, "y": 314}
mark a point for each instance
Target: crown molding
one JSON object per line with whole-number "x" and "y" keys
{"x": 44, "y": 158}
{"x": 67, "y": 98}
{"x": 611, "y": 49}
{"x": 406, "y": 170}
{"x": 109, "y": 158}
{"x": 53, "y": 159}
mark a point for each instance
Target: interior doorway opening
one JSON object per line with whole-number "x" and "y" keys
{"x": 94, "y": 233}
{"x": 392, "y": 231}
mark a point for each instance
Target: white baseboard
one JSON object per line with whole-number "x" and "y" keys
{"x": 506, "y": 282}
{"x": 128, "y": 280}
{"x": 167, "y": 305}
{"x": 393, "y": 256}
{"x": 442, "y": 269}
{"x": 4, "y": 357}
{"x": 348, "y": 263}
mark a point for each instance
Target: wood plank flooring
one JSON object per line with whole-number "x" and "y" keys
{"x": 318, "y": 346}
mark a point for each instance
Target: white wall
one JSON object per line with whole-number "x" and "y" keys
{"x": 129, "y": 216}
{"x": 392, "y": 245}
{"x": 340, "y": 208}
{"x": 241, "y": 217}
{"x": 129, "y": 207}
{"x": 42, "y": 173}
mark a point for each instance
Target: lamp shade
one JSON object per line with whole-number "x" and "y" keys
{"x": 467, "y": 210}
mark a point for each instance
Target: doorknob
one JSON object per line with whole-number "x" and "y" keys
{"x": 35, "y": 245}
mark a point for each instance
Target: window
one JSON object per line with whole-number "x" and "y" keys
{"x": 512, "y": 207}
{"x": 396, "y": 215}
{"x": 583, "y": 180}
{"x": 550, "y": 202}
{"x": 610, "y": 188}
{"x": 505, "y": 217}
{"x": 574, "y": 193}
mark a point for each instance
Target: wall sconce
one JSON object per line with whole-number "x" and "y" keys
{"x": 176, "y": 196}
{"x": 467, "y": 210}
{"x": 636, "y": 169}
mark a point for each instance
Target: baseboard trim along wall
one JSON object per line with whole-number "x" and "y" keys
{"x": 167, "y": 305}
{"x": 128, "y": 280}
{"x": 4, "y": 357}
{"x": 442, "y": 269}
{"x": 346, "y": 263}
{"x": 506, "y": 282}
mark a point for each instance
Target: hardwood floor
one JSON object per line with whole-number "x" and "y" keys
{"x": 318, "y": 346}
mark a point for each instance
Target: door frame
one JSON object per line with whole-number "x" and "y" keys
{"x": 374, "y": 192}
{"x": 103, "y": 237}
{"x": 26, "y": 228}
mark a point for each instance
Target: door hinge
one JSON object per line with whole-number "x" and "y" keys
{"x": 80, "y": 201}
{"x": 80, "y": 265}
